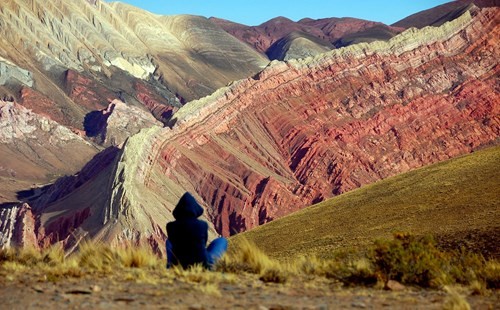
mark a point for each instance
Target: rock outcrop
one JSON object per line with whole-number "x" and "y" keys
{"x": 113, "y": 125}
{"x": 36, "y": 149}
{"x": 17, "y": 227}
{"x": 12, "y": 73}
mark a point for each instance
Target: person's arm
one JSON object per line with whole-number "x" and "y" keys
{"x": 205, "y": 234}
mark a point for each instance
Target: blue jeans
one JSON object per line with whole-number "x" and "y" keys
{"x": 215, "y": 250}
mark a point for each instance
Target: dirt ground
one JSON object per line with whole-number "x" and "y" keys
{"x": 38, "y": 291}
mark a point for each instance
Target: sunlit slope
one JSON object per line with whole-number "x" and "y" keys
{"x": 458, "y": 201}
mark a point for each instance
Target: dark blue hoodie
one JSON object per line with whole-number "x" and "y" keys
{"x": 187, "y": 234}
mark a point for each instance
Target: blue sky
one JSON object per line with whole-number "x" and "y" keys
{"x": 255, "y": 12}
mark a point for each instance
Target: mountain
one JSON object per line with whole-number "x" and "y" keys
{"x": 80, "y": 55}
{"x": 266, "y": 36}
{"x": 263, "y": 36}
{"x": 454, "y": 200}
{"x": 297, "y": 45}
{"x": 295, "y": 134}
{"x": 440, "y": 14}
{"x": 71, "y": 61}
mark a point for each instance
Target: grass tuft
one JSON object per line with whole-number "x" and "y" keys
{"x": 137, "y": 257}
{"x": 455, "y": 301}
{"x": 245, "y": 256}
{"x": 491, "y": 274}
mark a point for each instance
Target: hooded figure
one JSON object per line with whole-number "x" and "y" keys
{"x": 187, "y": 237}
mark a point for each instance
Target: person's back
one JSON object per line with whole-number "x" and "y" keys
{"x": 187, "y": 236}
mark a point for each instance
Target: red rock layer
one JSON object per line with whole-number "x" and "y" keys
{"x": 17, "y": 227}
{"x": 301, "y": 132}
{"x": 87, "y": 92}
{"x": 154, "y": 102}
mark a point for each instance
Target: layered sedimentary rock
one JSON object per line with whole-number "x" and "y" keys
{"x": 294, "y": 134}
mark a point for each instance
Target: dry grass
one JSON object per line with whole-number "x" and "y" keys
{"x": 408, "y": 259}
{"x": 102, "y": 257}
{"x": 246, "y": 257}
{"x": 455, "y": 301}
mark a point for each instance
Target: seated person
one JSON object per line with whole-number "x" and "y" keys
{"x": 187, "y": 237}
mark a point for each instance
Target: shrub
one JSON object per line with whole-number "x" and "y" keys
{"x": 465, "y": 266}
{"x": 276, "y": 274}
{"x": 411, "y": 260}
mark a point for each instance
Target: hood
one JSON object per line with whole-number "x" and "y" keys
{"x": 187, "y": 207}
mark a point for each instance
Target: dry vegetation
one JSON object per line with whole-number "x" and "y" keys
{"x": 413, "y": 261}
{"x": 408, "y": 259}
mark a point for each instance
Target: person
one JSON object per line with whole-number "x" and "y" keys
{"x": 187, "y": 237}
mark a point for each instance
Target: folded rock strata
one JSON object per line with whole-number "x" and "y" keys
{"x": 303, "y": 131}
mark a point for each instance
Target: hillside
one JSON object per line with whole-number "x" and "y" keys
{"x": 440, "y": 14}
{"x": 457, "y": 201}
{"x": 264, "y": 37}
{"x": 297, "y": 45}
